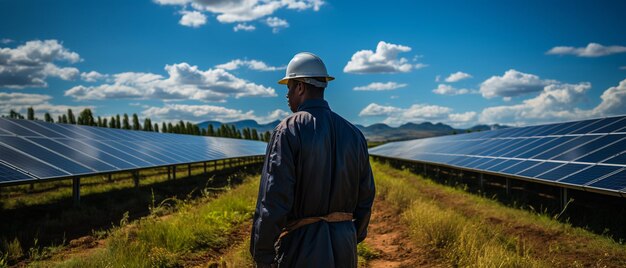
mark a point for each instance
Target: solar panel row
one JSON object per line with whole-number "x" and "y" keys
{"x": 31, "y": 150}
{"x": 589, "y": 154}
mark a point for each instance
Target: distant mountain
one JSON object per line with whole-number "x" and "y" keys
{"x": 243, "y": 124}
{"x": 383, "y": 132}
{"x": 375, "y": 132}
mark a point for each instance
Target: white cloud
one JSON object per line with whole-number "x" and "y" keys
{"x": 556, "y": 102}
{"x": 591, "y": 50}
{"x": 613, "y": 101}
{"x": 244, "y": 27}
{"x": 20, "y": 102}
{"x": 437, "y": 78}
{"x": 184, "y": 81}
{"x": 92, "y": 76}
{"x": 511, "y": 84}
{"x": 238, "y": 11}
{"x": 378, "y": 86}
{"x": 443, "y": 89}
{"x": 193, "y": 19}
{"x": 199, "y": 113}
{"x": 384, "y": 60}
{"x": 276, "y": 23}
{"x": 30, "y": 64}
{"x": 6, "y": 41}
{"x": 417, "y": 113}
{"x": 458, "y": 76}
{"x": 251, "y": 64}
{"x": 622, "y": 68}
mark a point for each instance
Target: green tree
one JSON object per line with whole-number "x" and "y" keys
{"x": 48, "y": 118}
{"x": 86, "y": 118}
{"x": 70, "y": 117}
{"x": 59, "y": 119}
{"x": 30, "y": 113}
{"x": 210, "y": 131}
{"x": 99, "y": 121}
{"x": 255, "y": 134}
{"x": 112, "y": 123}
{"x": 156, "y": 127}
{"x": 65, "y": 121}
{"x": 104, "y": 122}
{"x": 136, "y": 125}
{"x": 118, "y": 123}
{"x": 170, "y": 128}
{"x": 147, "y": 124}
{"x": 267, "y": 136}
{"x": 163, "y": 127}
{"x": 125, "y": 122}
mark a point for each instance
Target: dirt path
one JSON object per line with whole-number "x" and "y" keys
{"x": 390, "y": 238}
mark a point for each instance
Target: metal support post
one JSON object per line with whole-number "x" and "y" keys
{"x": 508, "y": 186}
{"x": 136, "y": 178}
{"x": 188, "y": 170}
{"x": 481, "y": 182}
{"x": 169, "y": 173}
{"x": 204, "y": 163}
{"x": 76, "y": 190}
{"x": 110, "y": 177}
{"x": 564, "y": 198}
{"x": 174, "y": 171}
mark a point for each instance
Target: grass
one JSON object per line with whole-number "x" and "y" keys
{"x": 43, "y": 220}
{"x": 470, "y": 230}
{"x": 196, "y": 226}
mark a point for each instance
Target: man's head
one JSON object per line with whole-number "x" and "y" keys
{"x": 306, "y": 78}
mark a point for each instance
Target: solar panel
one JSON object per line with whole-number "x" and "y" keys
{"x": 36, "y": 150}
{"x": 586, "y": 154}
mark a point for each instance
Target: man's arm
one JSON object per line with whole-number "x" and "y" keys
{"x": 275, "y": 196}
{"x": 367, "y": 192}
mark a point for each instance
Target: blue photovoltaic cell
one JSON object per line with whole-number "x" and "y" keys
{"x": 619, "y": 123}
{"x": 37, "y": 127}
{"x": 93, "y": 151}
{"x": 620, "y": 159}
{"x": 8, "y": 174}
{"x": 565, "y": 146}
{"x": 538, "y": 169}
{"x": 562, "y": 171}
{"x": 589, "y": 174}
{"x": 588, "y": 147}
{"x": 39, "y": 152}
{"x": 520, "y": 167}
{"x": 616, "y": 181}
{"x": 78, "y": 156}
{"x": 9, "y": 126}
{"x": 573, "y": 153}
{"x": 28, "y": 164}
{"x": 604, "y": 152}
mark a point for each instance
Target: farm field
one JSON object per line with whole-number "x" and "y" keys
{"x": 415, "y": 222}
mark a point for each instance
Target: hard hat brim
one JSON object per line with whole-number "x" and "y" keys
{"x": 285, "y": 80}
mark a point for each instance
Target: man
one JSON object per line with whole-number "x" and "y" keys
{"x": 317, "y": 187}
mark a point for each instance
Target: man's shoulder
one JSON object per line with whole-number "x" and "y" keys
{"x": 297, "y": 118}
{"x": 348, "y": 125}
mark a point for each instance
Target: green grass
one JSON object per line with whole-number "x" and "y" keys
{"x": 164, "y": 242}
{"x": 469, "y": 230}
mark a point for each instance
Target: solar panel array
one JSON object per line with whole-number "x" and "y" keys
{"x": 588, "y": 154}
{"x": 35, "y": 150}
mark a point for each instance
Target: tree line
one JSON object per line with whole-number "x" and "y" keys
{"x": 87, "y": 118}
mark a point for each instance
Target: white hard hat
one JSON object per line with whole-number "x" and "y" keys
{"x": 305, "y": 65}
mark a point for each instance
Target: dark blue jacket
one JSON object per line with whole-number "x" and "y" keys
{"x": 316, "y": 163}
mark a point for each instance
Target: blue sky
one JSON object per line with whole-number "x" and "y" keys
{"x": 457, "y": 62}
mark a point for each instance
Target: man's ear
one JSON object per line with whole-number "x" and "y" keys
{"x": 301, "y": 88}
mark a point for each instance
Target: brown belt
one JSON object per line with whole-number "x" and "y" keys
{"x": 332, "y": 217}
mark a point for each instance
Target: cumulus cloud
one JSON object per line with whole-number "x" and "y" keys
{"x": 6, "y": 41}
{"x": 29, "y": 65}
{"x": 193, "y": 19}
{"x": 198, "y": 113}
{"x": 417, "y": 113}
{"x": 555, "y": 102}
{"x": 443, "y": 89}
{"x": 251, "y": 64}
{"x": 458, "y": 76}
{"x": 378, "y": 86}
{"x": 20, "y": 102}
{"x": 184, "y": 81}
{"x": 613, "y": 101}
{"x": 276, "y": 23}
{"x": 384, "y": 60}
{"x": 591, "y": 50}
{"x": 244, "y": 27}
{"x": 92, "y": 76}
{"x": 238, "y": 11}
{"x": 511, "y": 84}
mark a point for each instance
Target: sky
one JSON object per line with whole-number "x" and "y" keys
{"x": 461, "y": 63}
